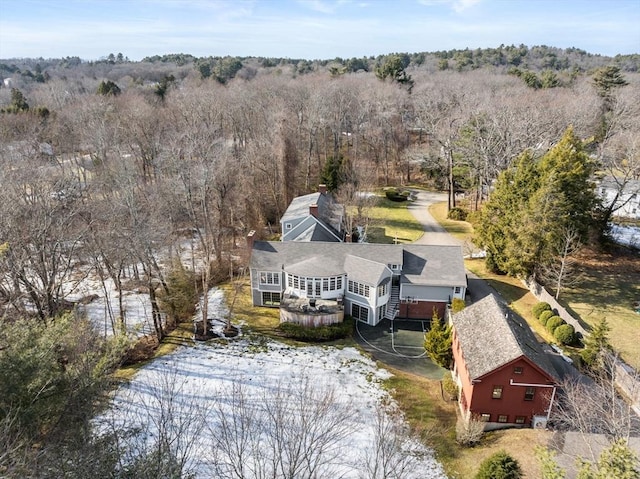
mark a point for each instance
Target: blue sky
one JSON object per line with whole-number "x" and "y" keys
{"x": 311, "y": 29}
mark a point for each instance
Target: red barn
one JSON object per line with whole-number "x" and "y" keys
{"x": 504, "y": 376}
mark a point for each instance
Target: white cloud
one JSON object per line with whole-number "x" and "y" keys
{"x": 319, "y": 6}
{"x": 457, "y": 5}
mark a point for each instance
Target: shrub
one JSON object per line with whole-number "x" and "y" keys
{"x": 457, "y": 214}
{"x": 395, "y": 195}
{"x": 553, "y": 322}
{"x": 499, "y": 466}
{"x": 457, "y": 305}
{"x": 545, "y": 315}
{"x": 540, "y": 307}
{"x": 565, "y": 334}
{"x": 469, "y": 433}
{"x": 449, "y": 386}
{"x": 321, "y": 333}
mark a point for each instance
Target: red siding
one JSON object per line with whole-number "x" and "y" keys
{"x": 479, "y": 398}
{"x": 421, "y": 310}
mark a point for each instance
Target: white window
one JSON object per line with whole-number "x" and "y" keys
{"x": 269, "y": 278}
{"x": 287, "y": 226}
{"x": 358, "y": 288}
{"x": 456, "y": 290}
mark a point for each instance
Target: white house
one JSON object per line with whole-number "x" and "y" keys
{"x": 368, "y": 281}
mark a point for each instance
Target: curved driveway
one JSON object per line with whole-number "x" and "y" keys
{"x": 434, "y": 234}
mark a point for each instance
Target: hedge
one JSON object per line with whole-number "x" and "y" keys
{"x": 565, "y": 334}
{"x": 321, "y": 333}
{"x": 553, "y": 322}
{"x": 545, "y": 315}
{"x": 538, "y": 308}
{"x": 457, "y": 214}
{"x": 394, "y": 195}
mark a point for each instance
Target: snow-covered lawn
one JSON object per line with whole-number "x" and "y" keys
{"x": 626, "y": 235}
{"x": 201, "y": 386}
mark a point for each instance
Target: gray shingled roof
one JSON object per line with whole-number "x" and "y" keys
{"x": 316, "y": 232}
{"x": 433, "y": 265}
{"x": 425, "y": 264}
{"x": 491, "y": 336}
{"x": 364, "y": 270}
{"x": 299, "y": 206}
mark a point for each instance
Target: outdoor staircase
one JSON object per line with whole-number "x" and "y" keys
{"x": 393, "y": 304}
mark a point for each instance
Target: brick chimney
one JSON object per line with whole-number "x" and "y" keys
{"x": 322, "y": 188}
{"x": 313, "y": 210}
{"x": 251, "y": 236}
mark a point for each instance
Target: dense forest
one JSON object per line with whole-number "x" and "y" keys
{"x": 106, "y": 163}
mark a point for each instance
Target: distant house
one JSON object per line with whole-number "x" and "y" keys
{"x": 504, "y": 376}
{"x": 312, "y": 282}
{"x": 624, "y": 196}
{"x": 314, "y": 217}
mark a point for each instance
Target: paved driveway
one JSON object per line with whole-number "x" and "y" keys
{"x": 434, "y": 234}
{"x": 399, "y": 344}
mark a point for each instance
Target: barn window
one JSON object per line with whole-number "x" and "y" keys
{"x": 517, "y": 370}
{"x": 520, "y": 419}
{"x": 497, "y": 392}
{"x": 503, "y": 418}
{"x": 529, "y": 394}
{"x": 485, "y": 417}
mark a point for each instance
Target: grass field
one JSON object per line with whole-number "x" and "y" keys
{"x": 609, "y": 287}
{"x": 391, "y": 221}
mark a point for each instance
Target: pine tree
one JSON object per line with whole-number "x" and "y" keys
{"x": 533, "y": 203}
{"x": 437, "y": 342}
{"x": 595, "y": 344}
{"x": 499, "y": 466}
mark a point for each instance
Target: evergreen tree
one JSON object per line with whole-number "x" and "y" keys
{"x": 332, "y": 173}
{"x": 499, "y": 466}
{"x": 108, "y": 88}
{"x": 533, "y": 203}
{"x": 497, "y": 229}
{"x": 595, "y": 344}
{"x": 437, "y": 342}
{"x": 569, "y": 169}
{"x": 606, "y": 79}
{"x": 394, "y": 68}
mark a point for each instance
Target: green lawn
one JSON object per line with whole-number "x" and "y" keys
{"x": 458, "y": 229}
{"x": 391, "y": 221}
{"x": 608, "y": 288}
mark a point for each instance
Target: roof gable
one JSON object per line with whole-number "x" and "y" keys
{"x": 365, "y": 270}
{"x": 492, "y": 336}
{"x": 311, "y": 229}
